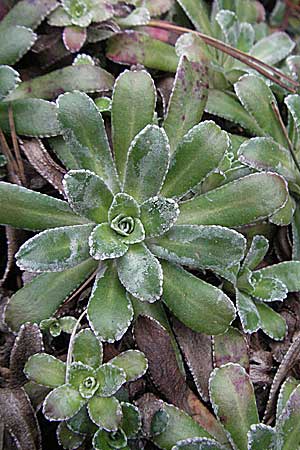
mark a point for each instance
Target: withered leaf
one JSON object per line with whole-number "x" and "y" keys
{"x": 231, "y": 347}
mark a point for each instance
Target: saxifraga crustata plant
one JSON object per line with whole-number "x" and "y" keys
{"x": 125, "y": 219}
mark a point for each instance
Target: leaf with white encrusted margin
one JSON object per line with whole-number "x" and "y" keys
{"x": 269, "y": 289}
{"x": 131, "y": 421}
{"x": 77, "y": 375}
{"x": 293, "y": 104}
{"x": 262, "y": 436}
{"x": 109, "y": 309}
{"x": 67, "y": 438}
{"x": 125, "y": 205}
{"x": 198, "y": 153}
{"x": 56, "y": 249}
{"x": 105, "y": 243}
{"x": 81, "y": 422}
{"x": 233, "y": 400}
{"x": 287, "y": 424}
{"x": 139, "y": 16}
{"x": 198, "y": 444}
{"x": 105, "y": 412}
{"x": 16, "y": 41}
{"x": 179, "y": 426}
{"x": 74, "y": 37}
{"x": 147, "y": 163}
{"x": 197, "y": 12}
{"x": 257, "y": 98}
{"x": 158, "y": 215}
{"x": 46, "y": 370}
{"x": 62, "y": 403}
{"x": 231, "y": 346}
{"x": 285, "y": 392}
{"x": 105, "y": 440}
{"x": 288, "y": 272}
{"x": 83, "y": 129}
{"x": 28, "y": 13}
{"x": 285, "y": 215}
{"x": 140, "y": 273}
{"x": 273, "y": 48}
{"x": 248, "y": 312}
{"x": 243, "y": 201}
{"x": 87, "y": 194}
{"x": 40, "y": 298}
{"x": 110, "y": 378}
{"x": 133, "y": 362}
{"x": 199, "y": 305}
{"x": 187, "y": 100}
{"x": 271, "y": 322}
{"x": 87, "y": 348}
{"x": 200, "y": 246}
{"x": 9, "y": 79}
{"x": 256, "y": 253}
{"x": 133, "y": 104}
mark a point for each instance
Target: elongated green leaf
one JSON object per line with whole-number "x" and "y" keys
{"x": 179, "y": 426}
{"x": 133, "y": 362}
{"x": 257, "y": 251}
{"x": 132, "y": 109}
{"x": 23, "y": 208}
{"x": 197, "y": 304}
{"x": 262, "y": 436}
{"x": 131, "y": 421}
{"x": 29, "y": 13}
{"x": 110, "y": 378}
{"x": 198, "y": 444}
{"x": 285, "y": 392}
{"x": 87, "y": 348}
{"x": 45, "y": 370}
{"x": 109, "y": 309}
{"x": 206, "y": 247}
{"x": 140, "y": 273}
{"x": 187, "y": 101}
{"x": 40, "y": 298}
{"x": 248, "y": 312}
{"x": 288, "y": 422}
{"x": 85, "y": 78}
{"x": 269, "y": 290}
{"x": 199, "y": 152}
{"x": 125, "y": 206}
{"x": 55, "y": 250}
{"x": 273, "y": 48}
{"x": 132, "y": 47}
{"x": 68, "y": 438}
{"x": 287, "y": 272}
{"x": 83, "y": 129}
{"x": 105, "y": 412}
{"x": 272, "y": 323}
{"x": 148, "y": 154}
{"x": 227, "y": 106}
{"x": 293, "y": 104}
{"x": 196, "y": 10}
{"x": 9, "y": 79}
{"x": 62, "y": 403}
{"x": 257, "y": 98}
{"x": 158, "y": 215}
{"x": 233, "y": 400}
{"x": 243, "y": 201}
{"x": 266, "y": 154}
{"x": 105, "y": 243}
{"x": 15, "y": 42}
{"x": 87, "y": 194}
{"x": 32, "y": 117}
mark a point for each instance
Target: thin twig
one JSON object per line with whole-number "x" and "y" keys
{"x": 284, "y": 130}
{"x": 16, "y": 145}
{"x": 12, "y": 165}
{"x": 260, "y": 66}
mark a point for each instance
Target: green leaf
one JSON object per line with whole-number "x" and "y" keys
{"x": 285, "y": 215}
{"x": 41, "y": 297}
{"x": 55, "y": 250}
{"x": 132, "y": 47}
{"x": 288, "y": 272}
{"x": 62, "y": 403}
{"x": 81, "y": 422}
{"x": 87, "y": 194}
{"x": 148, "y": 154}
{"x": 46, "y": 370}
{"x": 262, "y": 436}
{"x": 285, "y": 392}
{"x": 198, "y": 444}
{"x": 266, "y": 154}
{"x": 131, "y": 422}
{"x": 231, "y": 346}
{"x": 243, "y": 201}
{"x": 15, "y": 42}
{"x": 205, "y": 247}
{"x": 23, "y": 208}
{"x": 83, "y": 129}
{"x": 269, "y": 290}
{"x": 110, "y": 378}
{"x": 133, "y": 104}
{"x": 32, "y": 117}
{"x": 158, "y": 215}
{"x": 248, "y": 312}
{"x": 293, "y": 104}
{"x": 140, "y": 273}
{"x": 187, "y": 101}
{"x": 28, "y": 13}
{"x": 180, "y": 426}
{"x": 105, "y": 243}
{"x": 67, "y": 324}
{"x": 257, "y": 251}
{"x": 59, "y": 18}
{"x": 103, "y": 440}
{"x": 227, "y": 106}
{"x": 87, "y": 348}
{"x": 83, "y": 379}
{"x": 85, "y": 78}
{"x": 138, "y": 17}
{"x": 196, "y": 10}
{"x": 233, "y": 399}
{"x": 64, "y": 152}
{"x": 124, "y": 205}
{"x": 67, "y": 438}
{"x": 133, "y": 362}
{"x": 257, "y": 99}
{"x": 105, "y": 412}
{"x": 199, "y": 152}
{"x": 9, "y": 79}
{"x": 199, "y": 305}
{"x": 288, "y": 423}
{"x": 109, "y": 309}
{"x": 273, "y": 48}
{"x": 296, "y": 234}
{"x": 272, "y": 323}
